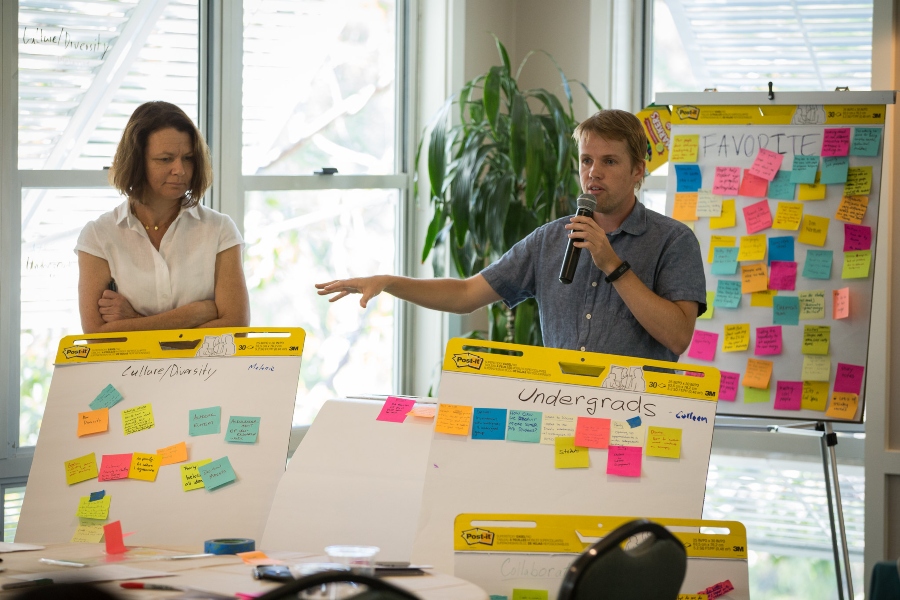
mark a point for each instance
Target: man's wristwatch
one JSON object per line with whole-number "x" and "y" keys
{"x": 620, "y": 270}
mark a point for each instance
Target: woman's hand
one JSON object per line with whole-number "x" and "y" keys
{"x": 115, "y": 307}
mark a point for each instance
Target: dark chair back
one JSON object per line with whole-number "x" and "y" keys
{"x": 370, "y": 588}
{"x": 651, "y": 570}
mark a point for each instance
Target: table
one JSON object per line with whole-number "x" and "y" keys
{"x": 224, "y": 574}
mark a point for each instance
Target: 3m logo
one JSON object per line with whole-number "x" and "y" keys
{"x": 688, "y": 112}
{"x": 76, "y": 352}
{"x": 478, "y": 536}
{"x": 467, "y": 359}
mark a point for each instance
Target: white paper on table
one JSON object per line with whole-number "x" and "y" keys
{"x": 88, "y": 574}
{"x": 14, "y": 547}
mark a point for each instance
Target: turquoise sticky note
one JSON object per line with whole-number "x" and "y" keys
{"x": 818, "y": 264}
{"x": 217, "y": 473}
{"x": 786, "y": 310}
{"x": 205, "y": 421}
{"x": 781, "y": 248}
{"x": 781, "y": 187}
{"x": 524, "y": 426}
{"x": 728, "y": 294}
{"x": 107, "y": 398}
{"x": 488, "y": 423}
{"x": 97, "y": 495}
{"x": 866, "y": 141}
{"x": 804, "y": 169}
{"x": 834, "y": 169}
{"x": 688, "y": 178}
{"x": 724, "y": 261}
{"x": 242, "y": 430}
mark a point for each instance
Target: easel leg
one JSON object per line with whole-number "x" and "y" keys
{"x": 830, "y": 439}
{"x": 834, "y": 537}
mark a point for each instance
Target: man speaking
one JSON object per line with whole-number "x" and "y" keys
{"x": 636, "y": 291}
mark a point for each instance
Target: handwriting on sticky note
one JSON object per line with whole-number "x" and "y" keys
{"x": 570, "y": 456}
{"x": 812, "y": 304}
{"x": 804, "y": 169}
{"x": 242, "y": 430}
{"x": 811, "y": 191}
{"x": 815, "y": 395}
{"x": 664, "y": 442}
{"x": 724, "y": 261}
{"x": 758, "y": 373}
{"x": 717, "y": 590}
{"x": 753, "y": 186}
{"x": 703, "y": 345}
{"x": 852, "y": 209}
{"x": 114, "y": 466}
{"x": 592, "y": 432}
{"x": 836, "y": 141}
{"x": 554, "y": 425}
{"x": 840, "y": 300}
{"x": 818, "y": 264}
{"x": 766, "y": 164}
{"x": 454, "y": 419}
{"x": 859, "y": 181}
{"x": 834, "y": 169}
{"x": 685, "y": 148}
{"x": 98, "y": 509}
{"x": 768, "y": 340}
{"x": 93, "y": 421}
{"x": 190, "y": 475}
{"x": 848, "y": 378}
{"x": 857, "y": 237}
{"x": 856, "y": 264}
{"x": 728, "y": 386}
{"x": 139, "y": 418}
{"x": 719, "y": 241}
{"x": 842, "y": 406}
{"x": 144, "y": 466}
{"x": 754, "y": 278}
{"x": 81, "y": 468}
{"x": 781, "y": 248}
{"x": 217, "y": 473}
{"x": 788, "y": 216}
{"x": 752, "y": 247}
{"x": 757, "y": 216}
{"x": 727, "y": 219}
{"x": 175, "y": 453}
{"x": 685, "y": 206}
{"x": 107, "y": 398}
{"x": 866, "y": 141}
{"x": 813, "y": 230}
{"x": 489, "y": 424}
{"x": 88, "y": 533}
{"x": 728, "y": 293}
{"x": 689, "y": 178}
{"x": 708, "y": 204}
{"x": 204, "y": 421}
{"x": 764, "y": 298}
{"x": 394, "y": 409}
{"x": 816, "y": 339}
{"x": 781, "y": 187}
{"x": 786, "y": 310}
{"x": 623, "y": 434}
{"x": 816, "y": 368}
{"x": 624, "y": 461}
{"x": 783, "y": 275}
{"x": 727, "y": 181}
{"x": 788, "y": 395}
{"x": 737, "y": 337}
{"x": 524, "y": 426}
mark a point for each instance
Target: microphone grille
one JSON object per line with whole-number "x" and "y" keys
{"x": 588, "y": 201}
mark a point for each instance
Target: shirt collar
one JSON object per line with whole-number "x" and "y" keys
{"x": 636, "y": 222}
{"x": 124, "y": 214}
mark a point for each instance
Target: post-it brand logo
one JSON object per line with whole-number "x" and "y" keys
{"x": 688, "y": 112}
{"x": 478, "y": 536}
{"x": 76, "y": 352}
{"x": 467, "y": 359}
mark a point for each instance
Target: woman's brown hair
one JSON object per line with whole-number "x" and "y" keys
{"x": 128, "y": 171}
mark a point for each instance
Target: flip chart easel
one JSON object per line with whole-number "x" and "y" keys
{"x": 496, "y": 473}
{"x": 245, "y": 372}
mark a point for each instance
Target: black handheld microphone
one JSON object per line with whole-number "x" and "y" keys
{"x": 586, "y": 205}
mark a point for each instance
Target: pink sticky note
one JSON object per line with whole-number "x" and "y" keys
{"x": 766, "y": 164}
{"x": 114, "y": 466}
{"x": 115, "y": 542}
{"x": 757, "y": 217}
{"x": 754, "y": 186}
{"x": 857, "y": 237}
{"x": 728, "y": 385}
{"x": 726, "y": 181}
{"x": 703, "y": 345}
{"x": 836, "y": 141}
{"x": 591, "y": 432}
{"x": 848, "y": 378}
{"x": 768, "y": 340}
{"x": 840, "y": 303}
{"x": 788, "y": 395}
{"x": 394, "y": 409}
{"x": 624, "y": 460}
{"x": 783, "y": 275}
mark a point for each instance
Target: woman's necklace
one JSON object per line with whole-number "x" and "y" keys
{"x": 164, "y": 224}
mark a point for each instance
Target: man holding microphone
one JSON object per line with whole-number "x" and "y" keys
{"x": 638, "y": 289}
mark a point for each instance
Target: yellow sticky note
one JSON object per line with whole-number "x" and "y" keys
{"x": 753, "y": 247}
{"x": 852, "y": 209}
{"x": 98, "y": 509}
{"x": 664, "y": 442}
{"x": 144, "y": 466}
{"x": 813, "y": 230}
{"x": 554, "y": 426}
{"x": 754, "y": 395}
{"x": 453, "y": 419}
{"x": 93, "y": 421}
{"x": 526, "y": 594}
{"x": 816, "y": 339}
{"x": 816, "y": 368}
{"x": 685, "y": 206}
{"x": 190, "y": 475}
{"x": 859, "y": 181}
{"x": 763, "y": 298}
{"x": 737, "y": 337}
{"x": 689, "y": 224}
{"x": 754, "y": 278}
{"x": 621, "y": 433}
{"x": 787, "y": 216}
{"x": 843, "y": 405}
{"x": 812, "y": 304}
{"x": 137, "y": 419}
{"x": 570, "y": 456}
{"x": 856, "y": 264}
{"x": 710, "y": 309}
{"x": 727, "y": 219}
{"x": 685, "y": 148}
{"x": 81, "y": 468}
{"x": 811, "y": 191}
{"x": 88, "y": 533}
{"x": 758, "y": 373}
{"x": 175, "y": 453}
{"x": 815, "y": 395}
{"x": 692, "y": 597}
{"x": 716, "y": 241}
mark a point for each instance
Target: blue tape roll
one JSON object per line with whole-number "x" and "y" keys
{"x": 229, "y": 546}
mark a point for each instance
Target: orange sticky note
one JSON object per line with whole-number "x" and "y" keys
{"x": 453, "y": 419}
{"x": 758, "y": 373}
{"x": 685, "y": 207}
{"x": 81, "y": 468}
{"x": 93, "y": 421}
{"x": 754, "y": 278}
{"x": 175, "y": 453}
{"x": 841, "y": 303}
{"x": 258, "y": 557}
{"x": 423, "y": 411}
{"x": 843, "y": 405}
{"x": 852, "y": 209}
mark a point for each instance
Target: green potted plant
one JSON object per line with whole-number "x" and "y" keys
{"x": 508, "y": 166}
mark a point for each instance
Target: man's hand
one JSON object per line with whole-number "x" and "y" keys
{"x": 594, "y": 240}
{"x": 115, "y": 307}
{"x": 369, "y": 287}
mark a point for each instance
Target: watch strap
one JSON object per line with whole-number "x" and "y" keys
{"x": 618, "y": 272}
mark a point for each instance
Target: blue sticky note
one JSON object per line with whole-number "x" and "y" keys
{"x": 205, "y": 421}
{"x": 834, "y": 169}
{"x": 688, "y": 177}
{"x": 107, "y": 398}
{"x": 786, "y": 310}
{"x": 217, "y": 473}
{"x": 804, "y": 169}
{"x": 489, "y": 424}
{"x": 242, "y": 430}
{"x": 818, "y": 264}
{"x": 524, "y": 426}
{"x": 728, "y": 294}
{"x": 97, "y": 496}
{"x": 781, "y": 187}
{"x": 724, "y": 261}
{"x": 781, "y": 248}
{"x": 634, "y": 421}
{"x": 866, "y": 141}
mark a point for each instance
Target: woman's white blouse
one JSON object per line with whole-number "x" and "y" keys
{"x": 181, "y": 272}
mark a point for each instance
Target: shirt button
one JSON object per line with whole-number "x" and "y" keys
{"x": 593, "y": 284}
{"x": 589, "y": 315}
{"x": 582, "y": 348}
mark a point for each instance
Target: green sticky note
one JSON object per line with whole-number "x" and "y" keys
{"x": 205, "y": 421}
{"x": 818, "y": 264}
{"x": 834, "y": 169}
{"x": 710, "y": 299}
{"x": 724, "y": 261}
{"x": 781, "y": 187}
{"x": 728, "y": 293}
{"x": 242, "y": 430}
{"x": 804, "y": 169}
{"x": 755, "y": 395}
{"x": 217, "y": 473}
{"x": 521, "y": 594}
{"x": 866, "y": 141}
{"x": 524, "y": 426}
{"x": 107, "y": 398}
{"x": 785, "y": 310}
{"x": 856, "y": 264}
